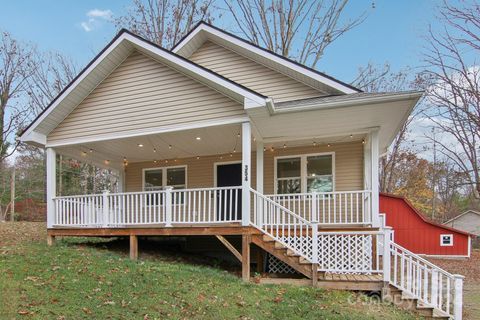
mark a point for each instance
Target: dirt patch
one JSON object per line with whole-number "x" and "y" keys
{"x": 17, "y": 233}
{"x": 470, "y": 268}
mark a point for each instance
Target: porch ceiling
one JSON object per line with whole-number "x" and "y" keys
{"x": 331, "y": 123}
{"x": 215, "y": 140}
{"x": 170, "y": 145}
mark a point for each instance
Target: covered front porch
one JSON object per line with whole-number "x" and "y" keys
{"x": 222, "y": 174}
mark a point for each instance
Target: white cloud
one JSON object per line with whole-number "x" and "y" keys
{"x": 103, "y": 14}
{"x": 95, "y": 19}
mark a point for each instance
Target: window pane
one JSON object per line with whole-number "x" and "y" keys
{"x": 288, "y": 186}
{"x": 176, "y": 176}
{"x": 320, "y": 184}
{"x": 287, "y": 168}
{"x": 153, "y": 178}
{"x": 319, "y": 165}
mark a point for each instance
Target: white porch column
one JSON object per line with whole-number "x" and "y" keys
{"x": 375, "y": 154}
{"x": 260, "y": 166}
{"x": 51, "y": 163}
{"x": 121, "y": 180}
{"x": 246, "y": 164}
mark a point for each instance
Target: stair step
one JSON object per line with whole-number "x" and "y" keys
{"x": 292, "y": 253}
{"x": 437, "y": 314}
{"x": 267, "y": 238}
{"x": 407, "y": 301}
{"x": 302, "y": 260}
{"x": 279, "y": 245}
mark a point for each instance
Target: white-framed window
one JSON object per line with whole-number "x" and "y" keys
{"x": 305, "y": 173}
{"x": 158, "y": 178}
{"x": 446, "y": 240}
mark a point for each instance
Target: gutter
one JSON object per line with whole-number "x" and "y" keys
{"x": 348, "y": 103}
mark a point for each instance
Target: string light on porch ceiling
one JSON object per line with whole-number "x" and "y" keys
{"x": 316, "y": 144}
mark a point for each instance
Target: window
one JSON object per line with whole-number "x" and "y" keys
{"x": 319, "y": 173}
{"x": 306, "y": 173}
{"x": 446, "y": 240}
{"x": 158, "y": 178}
{"x": 288, "y": 175}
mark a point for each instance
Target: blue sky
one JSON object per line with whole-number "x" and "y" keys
{"x": 392, "y": 32}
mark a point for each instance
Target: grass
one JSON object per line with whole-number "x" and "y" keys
{"x": 78, "y": 279}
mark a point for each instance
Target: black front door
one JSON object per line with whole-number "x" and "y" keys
{"x": 229, "y": 203}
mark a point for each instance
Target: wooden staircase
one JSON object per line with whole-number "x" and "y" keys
{"x": 342, "y": 281}
{"x": 338, "y": 260}
{"x": 405, "y": 301}
{"x": 282, "y": 253}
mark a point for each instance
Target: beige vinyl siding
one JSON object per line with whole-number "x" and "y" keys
{"x": 200, "y": 172}
{"x": 251, "y": 74}
{"x": 144, "y": 95}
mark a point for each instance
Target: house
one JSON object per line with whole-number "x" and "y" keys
{"x": 418, "y": 234}
{"x": 469, "y": 221}
{"x": 221, "y": 138}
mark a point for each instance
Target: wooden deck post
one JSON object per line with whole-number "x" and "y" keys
{"x": 314, "y": 274}
{"x": 260, "y": 258}
{"x": 133, "y": 247}
{"x": 246, "y": 239}
{"x": 50, "y": 240}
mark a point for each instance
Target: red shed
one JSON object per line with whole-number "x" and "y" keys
{"x": 420, "y": 235}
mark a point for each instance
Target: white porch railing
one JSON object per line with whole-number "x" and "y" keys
{"x": 329, "y": 208}
{"x": 187, "y": 206}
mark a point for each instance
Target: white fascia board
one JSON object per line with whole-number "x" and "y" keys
{"x": 189, "y": 66}
{"x": 361, "y": 101}
{"x": 318, "y": 77}
{"x": 34, "y": 138}
{"x": 250, "y": 104}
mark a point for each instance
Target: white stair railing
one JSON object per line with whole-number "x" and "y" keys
{"x": 286, "y": 227}
{"x": 335, "y": 252}
{"x": 422, "y": 280}
{"x": 329, "y": 208}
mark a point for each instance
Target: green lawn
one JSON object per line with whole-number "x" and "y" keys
{"x": 76, "y": 280}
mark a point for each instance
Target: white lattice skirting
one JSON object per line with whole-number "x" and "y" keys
{"x": 278, "y": 266}
{"x": 337, "y": 253}
{"x": 345, "y": 253}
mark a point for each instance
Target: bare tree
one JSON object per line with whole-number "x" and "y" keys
{"x": 453, "y": 76}
{"x": 164, "y": 22}
{"x": 449, "y": 189}
{"x": 16, "y": 67}
{"x": 300, "y": 29}
{"x": 376, "y": 78}
{"x": 54, "y": 72}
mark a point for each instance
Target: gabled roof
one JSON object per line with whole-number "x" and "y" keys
{"x": 462, "y": 214}
{"x": 204, "y": 31}
{"x": 422, "y": 217}
{"x": 121, "y": 46}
